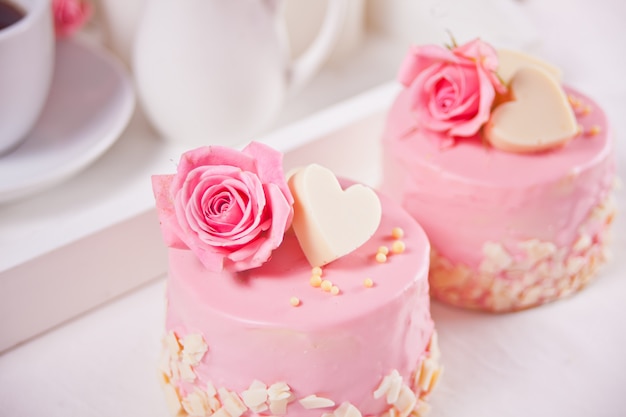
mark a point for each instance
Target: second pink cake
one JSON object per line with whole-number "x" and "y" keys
{"x": 510, "y": 174}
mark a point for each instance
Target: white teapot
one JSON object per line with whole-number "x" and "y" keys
{"x": 217, "y": 71}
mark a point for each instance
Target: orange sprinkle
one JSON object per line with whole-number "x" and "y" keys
{"x": 594, "y": 130}
{"x": 381, "y": 258}
{"x": 334, "y": 290}
{"x": 294, "y": 301}
{"x": 368, "y": 283}
{"x": 398, "y": 246}
{"x": 397, "y": 233}
{"x": 315, "y": 281}
{"x": 326, "y": 285}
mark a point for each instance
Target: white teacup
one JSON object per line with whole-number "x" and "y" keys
{"x": 26, "y": 66}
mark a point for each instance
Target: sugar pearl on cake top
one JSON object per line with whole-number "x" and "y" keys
{"x": 334, "y": 290}
{"x": 316, "y": 271}
{"x": 294, "y": 301}
{"x": 315, "y": 281}
{"x": 368, "y": 283}
{"x": 326, "y": 285}
{"x": 398, "y": 246}
{"x": 594, "y": 130}
{"x": 397, "y": 233}
{"x": 381, "y": 258}
{"x": 383, "y": 249}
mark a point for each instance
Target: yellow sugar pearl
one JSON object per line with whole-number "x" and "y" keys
{"x": 334, "y": 290}
{"x": 294, "y": 301}
{"x": 368, "y": 283}
{"x": 381, "y": 258}
{"x": 587, "y": 110}
{"x": 398, "y": 246}
{"x": 397, "y": 233}
{"x": 383, "y": 249}
{"x": 594, "y": 130}
{"x": 326, "y": 285}
{"x": 315, "y": 281}
{"x": 317, "y": 271}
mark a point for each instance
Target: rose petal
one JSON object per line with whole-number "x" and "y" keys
{"x": 486, "y": 94}
{"x": 269, "y": 166}
{"x": 484, "y": 54}
{"x": 214, "y": 158}
{"x": 166, "y": 212}
{"x": 252, "y": 256}
{"x": 421, "y": 57}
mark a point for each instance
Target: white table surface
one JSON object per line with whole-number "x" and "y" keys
{"x": 564, "y": 359}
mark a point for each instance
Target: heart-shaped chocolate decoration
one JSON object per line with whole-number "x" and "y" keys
{"x": 330, "y": 222}
{"x": 509, "y": 62}
{"x": 540, "y": 116}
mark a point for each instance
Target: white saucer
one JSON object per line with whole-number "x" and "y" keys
{"x": 90, "y": 103}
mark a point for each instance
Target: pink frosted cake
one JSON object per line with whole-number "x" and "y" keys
{"x": 509, "y": 173}
{"x": 327, "y": 318}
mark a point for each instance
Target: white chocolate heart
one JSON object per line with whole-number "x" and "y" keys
{"x": 509, "y": 62}
{"x": 330, "y": 222}
{"x": 540, "y": 116}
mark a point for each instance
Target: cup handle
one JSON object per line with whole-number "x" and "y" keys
{"x": 303, "y": 68}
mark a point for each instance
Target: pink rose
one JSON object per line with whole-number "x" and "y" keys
{"x": 69, "y": 16}
{"x": 451, "y": 90}
{"x": 230, "y": 208}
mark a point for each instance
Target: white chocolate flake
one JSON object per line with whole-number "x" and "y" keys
{"x": 256, "y": 396}
{"x": 279, "y": 407}
{"x": 347, "y": 410}
{"x": 537, "y": 250}
{"x": 231, "y": 402}
{"x": 172, "y": 400}
{"x": 429, "y": 366}
{"x": 279, "y": 395}
{"x": 390, "y": 386}
{"x": 496, "y": 258}
{"x": 186, "y": 372}
{"x": 194, "y": 348}
{"x": 221, "y": 413}
{"x": 196, "y": 403}
{"x": 210, "y": 389}
{"x": 313, "y": 401}
{"x": 171, "y": 342}
{"x": 406, "y": 401}
{"x": 574, "y": 264}
{"x": 422, "y": 408}
{"x": 583, "y": 243}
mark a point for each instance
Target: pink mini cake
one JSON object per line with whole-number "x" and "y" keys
{"x": 510, "y": 174}
{"x": 327, "y": 318}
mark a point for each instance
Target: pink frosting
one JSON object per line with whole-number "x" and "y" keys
{"x": 470, "y": 193}
{"x": 229, "y": 208}
{"x": 451, "y": 90}
{"x": 70, "y": 16}
{"x": 338, "y": 347}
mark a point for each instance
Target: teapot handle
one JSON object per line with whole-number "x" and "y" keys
{"x": 305, "y": 66}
